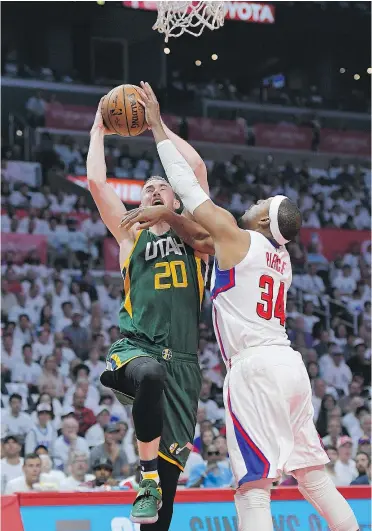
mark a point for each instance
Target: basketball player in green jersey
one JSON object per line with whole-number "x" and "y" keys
{"x": 155, "y": 366}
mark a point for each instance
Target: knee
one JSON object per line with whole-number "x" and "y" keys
{"x": 107, "y": 379}
{"x": 253, "y": 498}
{"x": 311, "y": 478}
{"x": 152, "y": 375}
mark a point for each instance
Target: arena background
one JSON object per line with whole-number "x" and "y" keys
{"x": 276, "y": 101}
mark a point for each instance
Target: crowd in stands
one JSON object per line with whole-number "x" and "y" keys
{"x": 62, "y": 430}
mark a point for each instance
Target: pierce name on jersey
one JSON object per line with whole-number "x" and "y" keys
{"x": 274, "y": 261}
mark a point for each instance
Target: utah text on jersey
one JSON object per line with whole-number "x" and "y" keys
{"x": 164, "y": 247}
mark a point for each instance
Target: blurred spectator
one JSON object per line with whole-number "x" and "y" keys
{"x": 78, "y": 335}
{"x": 67, "y": 442}
{"x": 332, "y": 454}
{"x": 95, "y": 434}
{"x": 211, "y": 409}
{"x": 50, "y": 479}
{"x": 345, "y": 282}
{"x": 221, "y": 445}
{"x": 337, "y": 373}
{"x": 68, "y": 153}
{"x": 364, "y": 445}
{"x": 36, "y": 107}
{"x": 90, "y": 391}
{"x": 94, "y": 229}
{"x": 345, "y": 468}
{"x": 78, "y": 245}
{"x": 364, "y": 479}
{"x": 20, "y": 198}
{"x": 362, "y": 462}
{"x": 10, "y": 355}
{"x": 23, "y": 330}
{"x": 49, "y": 400}
{"x": 8, "y": 299}
{"x": 358, "y": 363}
{"x": 78, "y": 466}
{"x": 42, "y": 432}
{"x": 313, "y": 370}
{"x": 16, "y": 421}
{"x": 50, "y": 375}
{"x": 11, "y": 462}
{"x": 328, "y": 403}
{"x": 27, "y": 371}
{"x": 102, "y": 470}
{"x": 213, "y": 473}
{"x": 83, "y": 415}
{"x": 111, "y": 450}
{"x": 334, "y": 432}
{"x": 20, "y": 309}
{"x": 43, "y": 346}
{"x": 31, "y": 475}
{"x": 95, "y": 365}
{"x": 351, "y": 421}
{"x": 308, "y": 316}
{"x": 312, "y": 284}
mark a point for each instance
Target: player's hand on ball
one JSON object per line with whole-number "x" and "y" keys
{"x": 98, "y": 121}
{"x": 151, "y": 105}
{"x": 145, "y": 217}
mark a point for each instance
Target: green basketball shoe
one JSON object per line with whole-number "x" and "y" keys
{"x": 147, "y": 503}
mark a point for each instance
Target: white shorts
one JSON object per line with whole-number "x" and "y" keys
{"x": 269, "y": 415}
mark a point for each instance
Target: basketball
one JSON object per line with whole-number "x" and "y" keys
{"x": 122, "y": 113}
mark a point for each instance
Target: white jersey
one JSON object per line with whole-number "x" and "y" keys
{"x": 249, "y": 299}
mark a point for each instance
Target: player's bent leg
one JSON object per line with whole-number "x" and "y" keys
{"x": 252, "y": 501}
{"x": 319, "y": 490}
{"x": 149, "y": 378}
{"x": 169, "y": 475}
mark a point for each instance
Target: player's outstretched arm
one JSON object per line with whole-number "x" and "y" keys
{"x": 108, "y": 203}
{"x": 192, "y": 157}
{"x": 231, "y": 243}
{"x": 188, "y": 230}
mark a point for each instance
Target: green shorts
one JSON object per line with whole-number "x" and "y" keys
{"x": 181, "y": 393}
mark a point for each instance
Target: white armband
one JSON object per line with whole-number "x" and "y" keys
{"x": 180, "y": 176}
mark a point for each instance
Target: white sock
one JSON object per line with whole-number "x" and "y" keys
{"x": 253, "y": 508}
{"x": 318, "y": 489}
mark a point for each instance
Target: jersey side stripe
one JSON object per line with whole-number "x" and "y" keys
{"x": 219, "y": 339}
{"x": 225, "y": 280}
{"x": 256, "y": 463}
{"x": 200, "y": 278}
{"x": 127, "y": 301}
{"x": 126, "y": 263}
{"x": 125, "y": 271}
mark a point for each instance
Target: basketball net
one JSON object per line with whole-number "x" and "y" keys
{"x": 176, "y": 18}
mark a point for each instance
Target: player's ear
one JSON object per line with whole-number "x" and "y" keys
{"x": 264, "y": 223}
{"x": 176, "y": 204}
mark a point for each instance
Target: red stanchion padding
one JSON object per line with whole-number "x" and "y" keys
{"x": 10, "y": 514}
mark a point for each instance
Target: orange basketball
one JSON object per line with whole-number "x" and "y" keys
{"x": 122, "y": 113}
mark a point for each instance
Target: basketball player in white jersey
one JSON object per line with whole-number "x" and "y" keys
{"x": 267, "y": 394}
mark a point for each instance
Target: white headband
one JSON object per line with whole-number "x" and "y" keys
{"x": 273, "y": 216}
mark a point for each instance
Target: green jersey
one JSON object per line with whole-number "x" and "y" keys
{"x": 163, "y": 291}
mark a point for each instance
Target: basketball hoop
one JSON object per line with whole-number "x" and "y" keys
{"x": 176, "y": 18}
